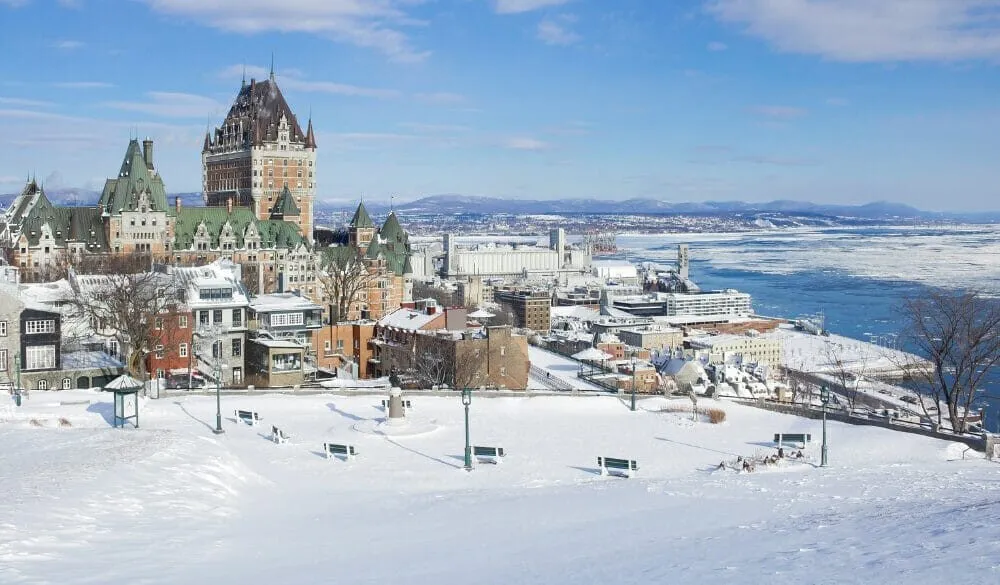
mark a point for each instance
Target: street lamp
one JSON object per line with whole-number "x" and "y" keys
{"x": 466, "y": 401}
{"x": 824, "y": 397}
{"x": 633, "y": 383}
{"x": 217, "y": 346}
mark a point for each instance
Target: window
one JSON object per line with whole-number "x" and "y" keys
{"x": 284, "y": 362}
{"x": 340, "y": 345}
{"x": 203, "y": 318}
{"x": 326, "y": 345}
{"x": 285, "y": 319}
{"x": 215, "y": 294}
{"x": 3, "y": 329}
{"x": 67, "y": 383}
{"x": 42, "y": 326}
{"x": 503, "y": 371}
{"x": 182, "y": 350}
{"x": 237, "y": 317}
{"x": 217, "y": 349}
{"x": 158, "y": 323}
{"x": 237, "y": 347}
{"x": 217, "y": 316}
{"x": 160, "y": 374}
{"x": 3, "y": 360}
{"x": 237, "y": 375}
{"x": 40, "y": 357}
{"x": 182, "y": 321}
{"x": 43, "y": 384}
{"x": 503, "y": 350}
{"x": 159, "y": 352}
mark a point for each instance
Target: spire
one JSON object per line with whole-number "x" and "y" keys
{"x": 243, "y": 82}
{"x": 361, "y": 218}
{"x": 208, "y": 142}
{"x": 310, "y": 137}
{"x": 272, "y": 65}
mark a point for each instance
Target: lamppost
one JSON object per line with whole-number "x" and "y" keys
{"x": 218, "y": 392}
{"x": 215, "y": 335}
{"x": 17, "y": 372}
{"x": 824, "y": 397}
{"x": 633, "y": 383}
{"x": 466, "y": 401}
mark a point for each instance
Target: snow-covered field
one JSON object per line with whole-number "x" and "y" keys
{"x": 173, "y": 503}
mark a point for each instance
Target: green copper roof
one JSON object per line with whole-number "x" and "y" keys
{"x": 241, "y": 223}
{"x": 67, "y": 224}
{"x": 391, "y": 230}
{"x": 124, "y": 192}
{"x": 361, "y": 218}
{"x": 285, "y": 206}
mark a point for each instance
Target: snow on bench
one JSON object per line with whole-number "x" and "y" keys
{"x": 492, "y": 454}
{"x": 626, "y": 466}
{"x": 795, "y": 438}
{"x": 332, "y": 449}
{"x": 248, "y": 416}
{"x": 278, "y": 436}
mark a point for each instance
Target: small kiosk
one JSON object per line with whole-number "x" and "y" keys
{"x": 126, "y": 389}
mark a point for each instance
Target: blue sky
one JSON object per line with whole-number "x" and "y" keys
{"x": 843, "y": 101}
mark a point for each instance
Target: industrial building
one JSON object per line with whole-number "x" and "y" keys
{"x": 720, "y": 303}
{"x": 493, "y": 259}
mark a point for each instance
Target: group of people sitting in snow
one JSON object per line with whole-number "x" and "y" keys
{"x": 748, "y": 465}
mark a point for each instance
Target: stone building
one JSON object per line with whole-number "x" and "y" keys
{"x": 532, "y": 309}
{"x": 258, "y": 154}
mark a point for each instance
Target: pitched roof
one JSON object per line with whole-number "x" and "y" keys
{"x": 134, "y": 179}
{"x": 68, "y": 224}
{"x": 361, "y": 218}
{"x": 31, "y": 197}
{"x": 285, "y": 205}
{"x": 253, "y": 118}
{"x": 273, "y": 233}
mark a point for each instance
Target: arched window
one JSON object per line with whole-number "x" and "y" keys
{"x": 43, "y": 384}
{"x": 67, "y": 383}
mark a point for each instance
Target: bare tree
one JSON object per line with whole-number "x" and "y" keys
{"x": 438, "y": 361}
{"x": 423, "y": 290}
{"x": 848, "y": 369}
{"x": 344, "y": 275}
{"x": 124, "y": 307}
{"x": 958, "y": 336}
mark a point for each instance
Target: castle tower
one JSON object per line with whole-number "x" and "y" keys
{"x": 362, "y": 228}
{"x": 258, "y": 152}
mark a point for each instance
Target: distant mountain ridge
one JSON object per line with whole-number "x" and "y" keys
{"x": 470, "y": 204}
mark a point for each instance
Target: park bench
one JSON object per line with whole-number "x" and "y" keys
{"x": 278, "y": 435}
{"x": 406, "y": 404}
{"x": 248, "y": 416}
{"x": 332, "y": 449}
{"x": 626, "y": 466}
{"x": 493, "y": 454}
{"x": 792, "y": 438}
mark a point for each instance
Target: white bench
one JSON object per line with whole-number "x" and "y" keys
{"x": 278, "y": 436}
{"x": 626, "y": 467}
{"x": 491, "y": 454}
{"x": 248, "y": 416}
{"x": 332, "y": 449}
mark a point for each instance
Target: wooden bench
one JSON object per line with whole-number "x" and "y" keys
{"x": 406, "y": 404}
{"x": 493, "y": 454}
{"x": 627, "y": 467}
{"x": 332, "y": 449}
{"x": 248, "y": 416}
{"x": 796, "y": 438}
{"x": 278, "y": 435}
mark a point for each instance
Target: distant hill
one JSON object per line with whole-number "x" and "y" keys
{"x": 454, "y": 204}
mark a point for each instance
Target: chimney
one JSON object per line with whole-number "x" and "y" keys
{"x": 177, "y": 204}
{"x": 147, "y": 152}
{"x": 229, "y": 205}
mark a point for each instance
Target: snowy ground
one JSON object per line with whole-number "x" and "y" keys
{"x": 173, "y": 503}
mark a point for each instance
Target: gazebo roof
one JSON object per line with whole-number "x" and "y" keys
{"x": 123, "y": 383}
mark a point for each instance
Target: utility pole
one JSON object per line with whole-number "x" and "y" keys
{"x": 824, "y": 397}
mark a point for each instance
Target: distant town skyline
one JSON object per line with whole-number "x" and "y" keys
{"x": 828, "y": 101}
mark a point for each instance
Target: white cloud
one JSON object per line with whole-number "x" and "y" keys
{"x": 779, "y": 112}
{"x": 717, "y": 46}
{"x": 525, "y": 143}
{"x": 551, "y": 32}
{"x": 82, "y": 84}
{"x": 519, "y": 6}
{"x": 440, "y": 98}
{"x": 871, "y": 30}
{"x": 67, "y": 45}
{"x": 292, "y": 79}
{"x": 24, "y": 103}
{"x": 172, "y": 105}
{"x": 374, "y": 24}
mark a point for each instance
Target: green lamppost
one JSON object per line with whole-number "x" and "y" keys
{"x": 824, "y": 397}
{"x": 17, "y": 373}
{"x": 218, "y": 391}
{"x": 466, "y": 401}
{"x": 633, "y": 383}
